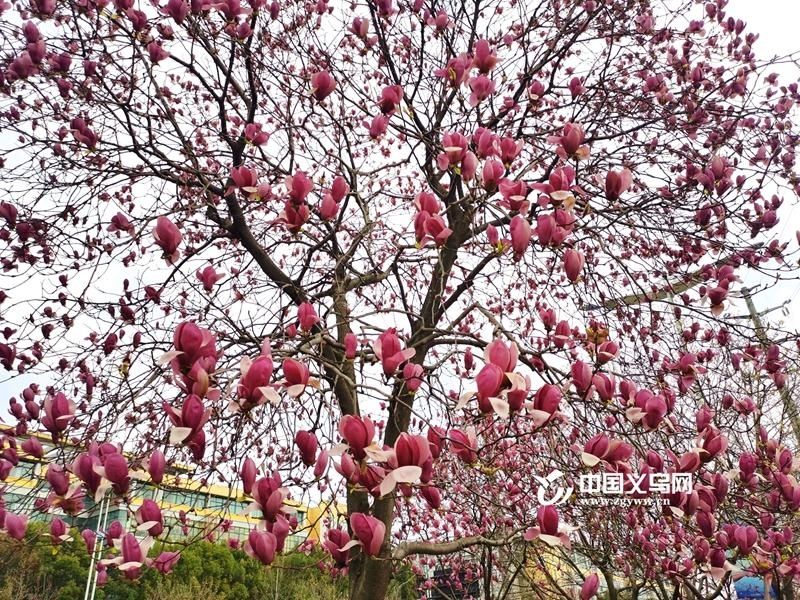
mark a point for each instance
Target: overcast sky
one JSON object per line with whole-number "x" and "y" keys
{"x": 776, "y": 22}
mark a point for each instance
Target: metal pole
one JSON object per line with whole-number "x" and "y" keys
{"x": 91, "y": 579}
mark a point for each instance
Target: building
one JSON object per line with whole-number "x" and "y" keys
{"x": 189, "y": 508}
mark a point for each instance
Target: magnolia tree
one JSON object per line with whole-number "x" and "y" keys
{"x": 440, "y": 262}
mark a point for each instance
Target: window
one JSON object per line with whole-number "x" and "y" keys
{"x": 24, "y": 470}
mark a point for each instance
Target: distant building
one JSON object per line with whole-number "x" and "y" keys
{"x": 215, "y": 511}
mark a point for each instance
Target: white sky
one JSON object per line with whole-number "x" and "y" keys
{"x": 776, "y": 23}
{"x": 775, "y": 20}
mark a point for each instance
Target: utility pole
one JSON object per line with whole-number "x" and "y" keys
{"x": 789, "y": 406}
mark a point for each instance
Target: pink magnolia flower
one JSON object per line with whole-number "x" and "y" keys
{"x": 652, "y": 408}
{"x": 82, "y": 133}
{"x": 297, "y": 376}
{"x": 486, "y": 143}
{"x": 14, "y": 525}
{"x": 59, "y": 531}
{"x": 390, "y": 352}
{"x": 156, "y": 465}
{"x": 244, "y": 179}
{"x": 607, "y": 351}
{"x": 390, "y": 98}
{"x": 328, "y": 208}
{"x": 322, "y": 85}
{"x": 307, "y": 444}
{"x": 570, "y": 142}
{"x": 545, "y": 403}
{"x": 58, "y": 479}
{"x": 89, "y": 538}
{"x": 256, "y": 376}
{"x": 248, "y": 473}
{"x": 714, "y": 443}
{"x": 208, "y": 277}
{"x": 294, "y": 216}
{"x": 510, "y": 149}
{"x": 456, "y": 71}
{"x": 132, "y": 556}
{"x": 385, "y": 7}
{"x": 59, "y": 412}
{"x": 156, "y": 52}
{"x": 604, "y": 385}
{"x": 369, "y": 531}
{"x": 84, "y": 467}
{"x": 378, "y": 126}
{"x": 188, "y": 423}
{"x": 617, "y": 182}
{"x": 590, "y": 586}
{"x": 339, "y": 188}
{"x": 431, "y": 227}
{"x": 484, "y": 57}
{"x": 520, "y": 236}
{"x": 745, "y": 538}
{"x": 9, "y": 212}
{"x": 436, "y": 436}
{"x": 348, "y": 469}
{"x": 546, "y": 229}
{"x": 464, "y": 445}
{"x": 440, "y": 21}
{"x": 548, "y": 519}
{"x": 298, "y": 186}
{"x": 576, "y": 87}
{"x": 412, "y": 450}
{"x": 120, "y": 222}
{"x": 469, "y": 166}
{"x": 269, "y": 495}
{"x": 165, "y": 561}
{"x": 33, "y": 447}
{"x": 573, "y": 264}
{"x": 336, "y": 541}
{"x": 360, "y": 27}
{"x": 595, "y": 449}
{"x": 307, "y": 316}
{"x": 254, "y": 134}
{"x": 481, "y": 87}
{"x": 515, "y": 194}
{"x": 167, "y": 237}
{"x": 432, "y": 495}
{"x": 412, "y": 373}
{"x": 149, "y": 516}
{"x": 350, "y": 346}
{"x": 489, "y": 381}
{"x": 562, "y": 334}
{"x": 492, "y": 173}
{"x": 261, "y": 545}
{"x": 455, "y": 147}
{"x": 321, "y": 464}
{"x": 358, "y": 433}
{"x": 195, "y": 347}
{"x": 115, "y": 469}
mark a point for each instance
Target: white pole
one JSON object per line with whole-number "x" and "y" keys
{"x": 91, "y": 579}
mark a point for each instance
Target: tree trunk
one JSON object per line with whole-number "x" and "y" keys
{"x": 372, "y": 580}
{"x": 370, "y": 577}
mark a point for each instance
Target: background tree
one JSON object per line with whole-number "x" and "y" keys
{"x": 268, "y": 236}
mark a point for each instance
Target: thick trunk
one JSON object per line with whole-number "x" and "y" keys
{"x": 370, "y": 577}
{"x": 373, "y": 581}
